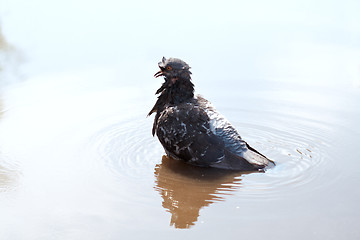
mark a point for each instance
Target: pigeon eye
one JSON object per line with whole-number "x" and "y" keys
{"x": 168, "y": 68}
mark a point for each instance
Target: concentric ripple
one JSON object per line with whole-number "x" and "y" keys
{"x": 299, "y": 148}
{"x": 128, "y": 149}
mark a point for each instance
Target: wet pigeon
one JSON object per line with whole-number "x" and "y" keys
{"x": 192, "y": 130}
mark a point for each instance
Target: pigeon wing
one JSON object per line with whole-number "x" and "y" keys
{"x": 184, "y": 131}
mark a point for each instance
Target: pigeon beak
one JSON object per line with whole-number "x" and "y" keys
{"x": 158, "y": 74}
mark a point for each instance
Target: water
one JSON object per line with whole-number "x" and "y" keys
{"x": 77, "y": 158}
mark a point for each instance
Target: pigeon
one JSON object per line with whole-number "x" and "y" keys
{"x": 190, "y": 129}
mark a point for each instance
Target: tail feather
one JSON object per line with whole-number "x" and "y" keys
{"x": 251, "y": 160}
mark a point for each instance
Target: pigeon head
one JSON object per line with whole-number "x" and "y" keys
{"x": 173, "y": 69}
{"x": 177, "y": 87}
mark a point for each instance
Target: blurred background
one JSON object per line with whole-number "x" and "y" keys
{"x": 303, "y": 41}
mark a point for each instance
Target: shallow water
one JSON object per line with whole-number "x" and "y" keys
{"x": 78, "y": 161}
{"x": 87, "y": 165}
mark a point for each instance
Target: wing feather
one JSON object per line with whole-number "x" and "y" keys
{"x": 196, "y": 133}
{"x": 184, "y": 131}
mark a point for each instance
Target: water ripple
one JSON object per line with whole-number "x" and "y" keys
{"x": 298, "y": 147}
{"x": 128, "y": 148}
{"x": 300, "y": 150}
{"x": 135, "y": 159}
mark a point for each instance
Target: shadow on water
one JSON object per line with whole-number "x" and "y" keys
{"x": 186, "y": 189}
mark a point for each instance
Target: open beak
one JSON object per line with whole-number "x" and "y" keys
{"x": 158, "y": 74}
{"x": 161, "y": 72}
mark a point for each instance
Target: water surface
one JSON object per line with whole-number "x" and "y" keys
{"x": 88, "y": 165}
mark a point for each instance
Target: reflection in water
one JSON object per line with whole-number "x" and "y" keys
{"x": 185, "y": 189}
{"x": 8, "y": 178}
{"x": 9, "y": 60}
{"x": 1, "y": 109}
{"x": 3, "y": 43}
{"x": 8, "y": 174}
{"x": 4, "y": 48}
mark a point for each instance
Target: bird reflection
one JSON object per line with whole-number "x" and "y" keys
{"x": 185, "y": 189}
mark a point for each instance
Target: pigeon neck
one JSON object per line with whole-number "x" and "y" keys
{"x": 177, "y": 91}
{"x": 173, "y": 93}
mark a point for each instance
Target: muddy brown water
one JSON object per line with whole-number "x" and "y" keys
{"x": 78, "y": 161}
